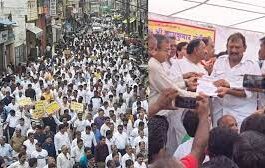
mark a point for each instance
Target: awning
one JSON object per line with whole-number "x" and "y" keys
{"x": 34, "y": 29}
{"x": 7, "y": 22}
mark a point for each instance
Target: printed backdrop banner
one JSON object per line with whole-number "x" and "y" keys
{"x": 180, "y": 31}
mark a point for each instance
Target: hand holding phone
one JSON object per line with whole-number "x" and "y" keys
{"x": 185, "y": 102}
{"x": 254, "y": 82}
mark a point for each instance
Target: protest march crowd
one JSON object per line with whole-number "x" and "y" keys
{"x": 84, "y": 106}
{"x": 226, "y": 127}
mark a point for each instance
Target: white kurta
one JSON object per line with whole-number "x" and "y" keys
{"x": 188, "y": 66}
{"x": 159, "y": 78}
{"x": 64, "y": 161}
{"x": 239, "y": 107}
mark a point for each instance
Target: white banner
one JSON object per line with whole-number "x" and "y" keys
{"x": 53, "y": 7}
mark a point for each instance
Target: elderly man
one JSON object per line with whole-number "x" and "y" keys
{"x": 160, "y": 77}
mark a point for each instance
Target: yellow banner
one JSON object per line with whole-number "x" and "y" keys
{"x": 38, "y": 114}
{"x": 52, "y": 107}
{"x": 24, "y": 101}
{"x": 182, "y": 32}
{"x": 77, "y": 107}
{"x": 40, "y": 105}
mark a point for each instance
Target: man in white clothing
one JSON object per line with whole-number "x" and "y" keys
{"x": 80, "y": 124}
{"x": 159, "y": 80}
{"x": 30, "y": 143}
{"x": 22, "y": 161}
{"x": 88, "y": 137}
{"x": 140, "y": 138}
{"x": 128, "y": 156}
{"x": 64, "y": 159}
{"x": 115, "y": 157}
{"x": 61, "y": 138}
{"x": 23, "y": 127}
{"x": 192, "y": 61}
{"x": 113, "y": 153}
{"x": 105, "y": 127}
{"x": 229, "y": 71}
{"x": 40, "y": 154}
{"x": 120, "y": 139}
{"x": 74, "y": 142}
{"x": 78, "y": 151}
{"x": 140, "y": 161}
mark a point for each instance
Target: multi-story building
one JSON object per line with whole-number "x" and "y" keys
{"x": 13, "y": 35}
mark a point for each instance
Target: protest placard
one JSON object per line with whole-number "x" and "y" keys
{"x": 52, "y": 107}
{"x": 24, "y": 101}
{"x": 77, "y": 107}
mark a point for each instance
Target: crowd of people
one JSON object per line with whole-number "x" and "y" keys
{"x": 92, "y": 69}
{"x": 224, "y": 130}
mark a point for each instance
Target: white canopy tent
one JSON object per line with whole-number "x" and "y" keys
{"x": 242, "y": 14}
{"x": 225, "y": 16}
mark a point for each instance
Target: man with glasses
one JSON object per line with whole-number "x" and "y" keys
{"x": 160, "y": 78}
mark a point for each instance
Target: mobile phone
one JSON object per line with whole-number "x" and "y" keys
{"x": 254, "y": 82}
{"x": 185, "y": 102}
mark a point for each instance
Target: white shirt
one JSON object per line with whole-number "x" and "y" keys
{"x": 12, "y": 120}
{"x": 237, "y": 106}
{"x": 60, "y": 140}
{"x": 121, "y": 88}
{"x": 104, "y": 128}
{"x": 137, "y": 165}
{"x": 136, "y": 123}
{"x": 18, "y": 165}
{"x": 126, "y": 97}
{"x": 13, "y": 106}
{"x": 127, "y": 157}
{"x": 110, "y": 158}
{"x": 120, "y": 140}
{"x": 64, "y": 161}
{"x": 80, "y": 125}
{"x": 159, "y": 80}
{"x": 188, "y": 66}
{"x": 135, "y": 133}
{"x": 30, "y": 147}
{"x": 6, "y": 150}
{"x": 77, "y": 153}
{"x": 109, "y": 143}
{"x": 23, "y": 129}
{"x": 145, "y": 104}
{"x": 139, "y": 139}
{"x": 96, "y": 102}
{"x": 88, "y": 139}
{"x": 41, "y": 156}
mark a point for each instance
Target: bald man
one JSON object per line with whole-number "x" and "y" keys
{"x": 228, "y": 121}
